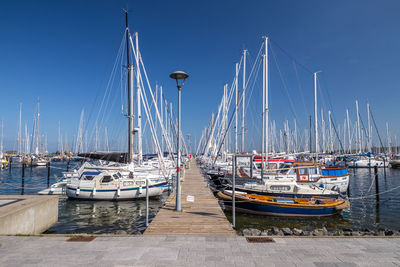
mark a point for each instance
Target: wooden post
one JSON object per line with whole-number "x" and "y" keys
{"x": 377, "y": 194}
{"x": 48, "y": 173}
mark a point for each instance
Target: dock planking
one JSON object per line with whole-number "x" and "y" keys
{"x": 202, "y": 217}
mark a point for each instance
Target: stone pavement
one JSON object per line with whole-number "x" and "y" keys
{"x": 198, "y": 251}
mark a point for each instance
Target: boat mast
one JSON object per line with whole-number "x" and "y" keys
{"x": 243, "y": 97}
{"x": 236, "y": 108}
{"x": 323, "y": 131}
{"x": 37, "y": 129}
{"x": 224, "y": 121}
{"x": 138, "y": 104}
{"x": 130, "y": 93}
{"x": 369, "y": 131}
{"x": 315, "y": 114}
{"x": 389, "y": 141}
{"x": 330, "y": 133}
{"x": 348, "y": 128}
{"x": 1, "y": 141}
{"x": 358, "y": 128}
{"x": 20, "y": 130}
{"x": 265, "y": 109}
{"x": 162, "y": 120}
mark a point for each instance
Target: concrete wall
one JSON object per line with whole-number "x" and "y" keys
{"x": 30, "y": 215}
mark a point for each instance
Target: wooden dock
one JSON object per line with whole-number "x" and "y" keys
{"x": 203, "y": 217}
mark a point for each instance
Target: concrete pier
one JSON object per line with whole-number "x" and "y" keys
{"x": 201, "y": 217}
{"x": 27, "y": 215}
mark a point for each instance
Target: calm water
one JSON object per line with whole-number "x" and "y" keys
{"x": 129, "y": 216}
{"x": 366, "y": 211}
{"x": 74, "y": 216}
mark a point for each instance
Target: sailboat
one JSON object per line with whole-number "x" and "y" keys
{"x": 114, "y": 176}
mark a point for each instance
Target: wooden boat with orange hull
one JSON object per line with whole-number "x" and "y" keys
{"x": 282, "y": 206}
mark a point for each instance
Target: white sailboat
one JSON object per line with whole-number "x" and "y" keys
{"x": 112, "y": 180}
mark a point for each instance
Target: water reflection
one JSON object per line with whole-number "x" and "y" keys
{"x": 104, "y": 217}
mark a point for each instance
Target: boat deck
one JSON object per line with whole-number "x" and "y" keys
{"x": 202, "y": 217}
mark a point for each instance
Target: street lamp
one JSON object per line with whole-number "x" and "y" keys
{"x": 179, "y": 76}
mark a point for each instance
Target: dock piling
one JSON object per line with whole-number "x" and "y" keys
{"x": 48, "y": 174}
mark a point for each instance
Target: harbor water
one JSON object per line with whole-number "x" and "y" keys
{"x": 372, "y": 207}
{"x": 80, "y": 216}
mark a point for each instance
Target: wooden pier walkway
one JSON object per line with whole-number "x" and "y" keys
{"x": 203, "y": 217}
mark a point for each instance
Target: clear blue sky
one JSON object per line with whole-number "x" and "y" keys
{"x": 62, "y": 52}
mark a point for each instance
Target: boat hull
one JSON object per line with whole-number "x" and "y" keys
{"x": 115, "y": 194}
{"x": 282, "y": 208}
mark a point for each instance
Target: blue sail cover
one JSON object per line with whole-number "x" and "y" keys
{"x": 334, "y": 171}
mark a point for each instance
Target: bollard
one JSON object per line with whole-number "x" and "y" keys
{"x": 68, "y": 165}
{"x": 10, "y": 163}
{"x": 147, "y": 202}
{"x": 48, "y": 173}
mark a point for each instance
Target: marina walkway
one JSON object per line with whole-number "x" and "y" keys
{"x": 202, "y": 217}
{"x": 198, "y": 251}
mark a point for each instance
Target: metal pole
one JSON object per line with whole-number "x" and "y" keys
{"x": 178, "y": 170}
{"x": 147, "y": 202}
{"x": 233, "y": 191}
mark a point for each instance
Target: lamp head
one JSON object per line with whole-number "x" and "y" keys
{"x": 179, "y": 75}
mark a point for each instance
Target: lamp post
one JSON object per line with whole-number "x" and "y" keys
{"x": 179, "y": 76}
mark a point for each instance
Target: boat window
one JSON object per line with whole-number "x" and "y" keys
{"x": 258, "y": 165}
{"x": 313, "y": 171}
{"x": 272, "y": 166}
{"x": 291, "y": 171}
{"x": 302, "y": 171}
{"x": 284, "y": 169}
{"x": 88, "y": 177}
{"x": 115, "y": 176}
{"x": 280, "y": 187}
{"x": 106, "y": 179}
